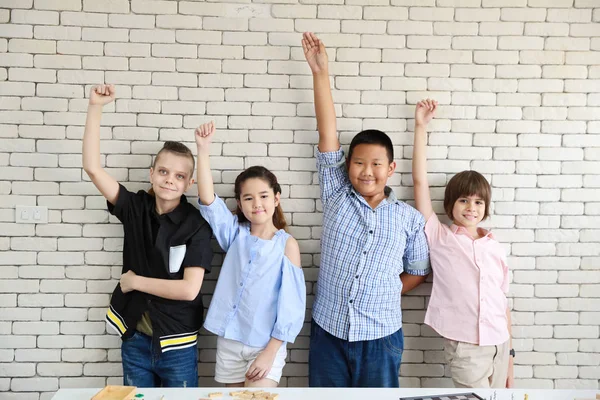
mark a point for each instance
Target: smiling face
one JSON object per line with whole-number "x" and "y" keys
{"x": 258, "y": 201}
{"x": 468, "y": 211}
{"x": 171, "y": 176}
{"x": 369, "y": 169}
{"x": 467, "y": 198}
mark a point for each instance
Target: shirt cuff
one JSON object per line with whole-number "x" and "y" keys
{"x": 330, "y": 158}
{"x": 419, "y": 268}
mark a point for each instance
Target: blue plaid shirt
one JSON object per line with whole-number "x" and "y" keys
{"x": 363, "y": 252}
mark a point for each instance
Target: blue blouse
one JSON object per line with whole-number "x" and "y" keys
{"x": 260, "y": 294}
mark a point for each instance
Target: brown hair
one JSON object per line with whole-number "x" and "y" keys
{"x": 177, "y": 148}
{"x": 259, "y": 172}
{"x": 467, "y": 183}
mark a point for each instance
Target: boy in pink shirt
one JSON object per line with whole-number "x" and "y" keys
{"x": 468, "y": 304}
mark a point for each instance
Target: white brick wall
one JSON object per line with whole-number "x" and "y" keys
{"x": 519, "y": 84}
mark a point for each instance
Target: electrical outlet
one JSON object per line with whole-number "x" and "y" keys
{"x": 31, "y": 215}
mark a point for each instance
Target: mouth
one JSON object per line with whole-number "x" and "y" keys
{"x": 258, "y": 212}
{"x": 367, "y": 181}
{"x": 470, "y": 217}
{"x": 169, "y": 189}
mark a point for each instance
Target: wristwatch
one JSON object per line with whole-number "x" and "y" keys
{"x": 512, "y": 352}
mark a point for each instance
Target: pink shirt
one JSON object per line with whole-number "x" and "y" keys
{"x": 470, "y": 281}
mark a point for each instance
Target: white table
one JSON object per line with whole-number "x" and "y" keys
{"x": 345, "y": 394}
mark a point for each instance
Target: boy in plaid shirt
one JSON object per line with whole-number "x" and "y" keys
{"x": 373, "y": 248}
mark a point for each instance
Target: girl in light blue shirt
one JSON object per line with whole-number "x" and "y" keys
{"x": 260, "y": 299}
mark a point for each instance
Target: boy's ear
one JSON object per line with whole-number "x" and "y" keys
{"x": 190, "y": 184}
{"x": 392, "y": 168}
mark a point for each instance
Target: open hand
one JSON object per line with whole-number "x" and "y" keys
{"x": 102, "y": 95}
{"x": 425, "y": 111}
{"x": 261, "y": 366}
{"x": 204, "y": 134}
{"x": 127, "y": 280}
{"x": 314, "y": 52}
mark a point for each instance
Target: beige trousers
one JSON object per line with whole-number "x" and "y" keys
{"x": 474, "y": 366}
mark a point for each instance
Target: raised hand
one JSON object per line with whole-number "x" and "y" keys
{"x": 102, "y": 95}
{"x": 315, "y": 53}
{"x": 204, "y": 134}
{"x": 425, "y": 111}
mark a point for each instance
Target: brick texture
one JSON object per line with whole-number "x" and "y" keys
{"x": 519, "y": 87}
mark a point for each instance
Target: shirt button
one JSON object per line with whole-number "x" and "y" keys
{"x": 356, "y": 278}
{"x": 241, "y": 283}
{"x": 234, "y": 307}
{"x": 364, "y": 252}
{"x": 350, "y": 301}
{"x": 371, "y": 231}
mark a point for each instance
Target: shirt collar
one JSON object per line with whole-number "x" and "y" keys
{"x": 459, "y": 230}
{"x": 388, "y": 191}
{"x": 177, "y": 215}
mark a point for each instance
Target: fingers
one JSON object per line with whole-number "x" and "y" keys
{"x": 310, "y": 41}
{"x": 252, "y": 372}
{"x": 206, "y": 129}
{"x": 311, "y": 38}
{"x": 429, "y": 104}
{"x": 104, "y": 90}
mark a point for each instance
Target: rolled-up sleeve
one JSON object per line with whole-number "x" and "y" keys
{"x": 291, "y": 305}
{"x": 416, "y": 254}
{"x": 332, "y": 172}
{"x": 199, "y": 252}
{"x": 124, "y": 204}
{"x": 224, "y": 224}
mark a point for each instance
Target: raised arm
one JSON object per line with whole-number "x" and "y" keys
{"x": 316, "y": 56}
{"x": 424, "y": 112}
{"x": 106, "y": 184}
{"x": 206, "y": 188}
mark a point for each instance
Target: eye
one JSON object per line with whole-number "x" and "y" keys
{"x": 463, "y": 200}
{"x": 179, "y": 176}
{"x": 377, "y": 164}
{"x": 479, "y": 202}
{"x": 162, "y": 171}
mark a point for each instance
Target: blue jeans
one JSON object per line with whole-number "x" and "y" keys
{"x": 334, "y": 362}
{"x": 141, "y": 368}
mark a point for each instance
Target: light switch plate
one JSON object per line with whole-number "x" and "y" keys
{"x": 31, "y": 215}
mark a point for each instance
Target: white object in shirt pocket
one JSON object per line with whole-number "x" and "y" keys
{"x": 176, "y": 256}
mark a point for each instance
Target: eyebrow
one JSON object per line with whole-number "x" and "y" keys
{"x": 163, "y": 167}
{"x": 249, "y": 194}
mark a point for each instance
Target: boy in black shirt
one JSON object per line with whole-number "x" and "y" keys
{"x": 156, "y": 308}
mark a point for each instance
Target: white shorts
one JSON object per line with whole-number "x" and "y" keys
{"x": 235, "y": 358}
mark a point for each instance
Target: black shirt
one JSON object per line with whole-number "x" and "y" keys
{"x": 159, "y": 246}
